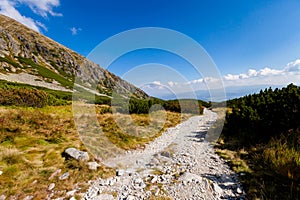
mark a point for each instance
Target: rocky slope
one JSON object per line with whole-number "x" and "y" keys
{"x": 24, "y": 51}
{"x": 179, "y": 165}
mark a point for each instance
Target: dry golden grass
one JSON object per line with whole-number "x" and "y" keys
{"x": 32, "y": 142}
{"x": 136, "y": 129}
{"x": 31, "y": 146}
{"x": 234, "y": 158}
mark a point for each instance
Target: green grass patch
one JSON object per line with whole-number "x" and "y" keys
{"x": 11, "y": 62}
{"x": 47, "y": 73}
{"x": 17, "y": 94}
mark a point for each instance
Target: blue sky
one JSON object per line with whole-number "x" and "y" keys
{"x": 251, "y": 42}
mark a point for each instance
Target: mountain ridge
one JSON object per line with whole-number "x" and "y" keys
{"x": 24, "y": 51}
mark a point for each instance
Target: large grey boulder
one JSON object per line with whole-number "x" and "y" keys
{"x": 77, "y": 154}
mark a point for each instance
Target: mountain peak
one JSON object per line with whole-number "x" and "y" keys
{"x": 30, "y": 57}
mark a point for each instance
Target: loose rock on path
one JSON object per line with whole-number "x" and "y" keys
{"x": 180, "y": 164}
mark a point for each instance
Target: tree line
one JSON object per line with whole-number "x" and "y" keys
{"x": 259, "y": 117}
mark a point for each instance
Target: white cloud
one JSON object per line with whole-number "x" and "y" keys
{"x": 260, "y": 77}
{"x": 203, "y": 80}
{"x": 253, "y": 73}
{"x": 195, "y": 81}
{"x": 171, "y": 83}
{"x": 293, "y": 66}
{"x": 210, "y": 80}
{"x": 40, "y": 7}
{"x": 156, "y": 83}
{"x": 7, "y": 8}
{"x": 40, "y": 24}
{"x": 268, "y": 71}
{"x": 75, "y": 30}
{"x": 231, "y": 77}
{"x": 288, "y": 74}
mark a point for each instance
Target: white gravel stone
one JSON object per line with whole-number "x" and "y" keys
{"x": 193, "y": 170}
{"x": 51, "y": 186}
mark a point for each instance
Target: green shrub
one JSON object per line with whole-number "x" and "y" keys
{"x": 46, "y": 73}
{"x": 15, "y": 94}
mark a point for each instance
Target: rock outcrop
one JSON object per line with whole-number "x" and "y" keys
{"x": 24, "y": 51}
{"x": 77, "y": 154}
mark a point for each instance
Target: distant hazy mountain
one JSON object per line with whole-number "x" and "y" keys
{"x": 27, "y": 56}
{"x": 231, "y": 92}
{"x": 239, "y": 91}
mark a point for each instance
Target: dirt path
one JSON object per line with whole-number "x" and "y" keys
{"x": 180, "y": 165}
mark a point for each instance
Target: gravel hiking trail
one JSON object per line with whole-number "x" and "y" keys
{"x": 180, "y": 164}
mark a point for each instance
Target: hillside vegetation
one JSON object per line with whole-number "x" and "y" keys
{"x": 24, "y": 51}
{"x": 37, "y": 125}
{"x": 261, "y": 138}
{"x": 25, "y": 95}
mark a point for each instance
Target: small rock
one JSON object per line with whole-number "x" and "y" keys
{"x": 157, "y": 192}
{"x": 138, "y": 162}
{"x": 54, "y": 174}
{"x": 64, "y": 176}
{"x": 1, "y": 172}
{"x": 71, "y": 193}
{"x": 130, "y": 197}
{"x": 142, "y": 185}
{"x": 217, "y": 188}
{"x": 138, "y": 181}
{"x": 166, "y": 154}
{"x": 239, "y": 191}
{"x": 51, "y": 186}
{"x": 111, "y": 182}
{"x": 76, "y": 154}
{"x": 28, "y": 198}
{"x": 93, "y": 165}
{"x": 189, "y": 177}
{"x": 228, "y": 184}
{"x": 34, "y": 182}
{"x": 105, "y": 197}
{"x": 120, "y": 172}
{"x": 154, "y": 179}
{"x": 72, "y": 198}
{"x": 2, "y": 197}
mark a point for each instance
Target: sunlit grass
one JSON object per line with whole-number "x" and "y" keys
{"x": 31, "y": 146}
{"x": 32, "y": 141}
{"x": 269, "y": 170}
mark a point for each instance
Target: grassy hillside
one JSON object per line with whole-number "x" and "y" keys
{"x": 25, "y": 95}
{"x": 261, "y": 139}
{"x": 25, "y": 51}
{"x": 31, "y": 144}
{"x": 37, "y": 125}
{"x": 32, "y": 141}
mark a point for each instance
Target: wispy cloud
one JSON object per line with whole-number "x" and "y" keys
{"x": 75, "y": 30}
{"x": 203, "y": 80}
{"x": 253, "y": 73}
{"x": 40, "y": 7}
{"x": 290, "y": 73}
{"x": 171, "y": 83}
{"x": 287, "y": 74}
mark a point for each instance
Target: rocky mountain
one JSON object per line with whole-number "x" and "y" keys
{"x": 29, "y": 57}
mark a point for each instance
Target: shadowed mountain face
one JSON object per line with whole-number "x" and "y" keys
{"x": 38, "y": 59}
